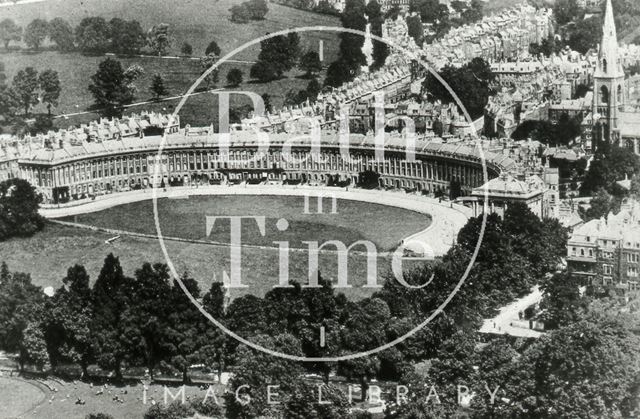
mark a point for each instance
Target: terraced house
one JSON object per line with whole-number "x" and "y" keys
{"x": 605, "y": 253}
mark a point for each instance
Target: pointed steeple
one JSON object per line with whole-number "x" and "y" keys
{"x": 609, "y": 64}
{"x": 609, "y": 29}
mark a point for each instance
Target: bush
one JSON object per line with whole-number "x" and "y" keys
{"x": 186, "y": 49}
{"x": 234, "y": 77}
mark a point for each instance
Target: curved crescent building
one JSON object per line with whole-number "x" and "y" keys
{"x": 133, "y": 162}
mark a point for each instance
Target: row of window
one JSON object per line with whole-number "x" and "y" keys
{"x": 632, "y": 271}
{"x": 177, "y": 162}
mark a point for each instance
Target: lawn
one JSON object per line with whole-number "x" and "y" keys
{"x": 75, "y": 73}
{"x": 185, "y": 218}
{"x": 48, "y": 254}
{"x": 197, "y": 22}
{"x": 18, "y": 396}
{"x": 194, "y": 21}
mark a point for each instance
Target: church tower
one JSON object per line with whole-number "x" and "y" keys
{"x": 609, "y": 89}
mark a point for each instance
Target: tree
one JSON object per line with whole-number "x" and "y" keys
{"x": 50, "y": 87}
{"x": 184, "y": 327}
{"x": 587, "y": 369}
{"x": 9, "y": 31}
{"x": 157, "y": 86}
{"x": 415, "y": 30}
{"x": 258, "y": 370}
{"x": 158, "y": 38}
{"x": 562, "y": 303}
{"x": 214, "y": 348}
{"x": 303, "y": 402}
{"x": 111, "y": 297}
{"x": 213, "y": 48}
{"x": 364, "y": 329}
{"x": 240, "y": 13}
{"x": 310, "y": 63}
{"x": 473, "y": 13}
{"x": 246, "y": 316}
{"x": 35, "y": 33}
{"x": 427, "y": 9}
{"x": 127, "y": 37}
{"x": 234, "y": 77}
{"x": 601, "y": 205}
{"x": 471, "y": 83}
{"x": 111, "y": 88}
{"x": 264, "y": 71}
{"x": 33, "y": 348}
{"x": 206, "y": 63}
{"x": 147, "y": 316}
{"x": 68, "y": 323}
{"x": 9, "y": 103}
{"x": 610, "y": 164}
{"x": 92, "y": 35}
{"x": 19, "y": 300}
{"x": 266, "y": 99}
{"x": 186, "y": 49}
{"x": 61, "y": 32}
{"x": 338, "y": 73}
{"x": 25, "y": 85}
{"x": 586, "y": 35}
{"x": 257, "y": 8}
{"x": 532, "y": 238}
{"x": 350, "y": 52}
{"x": 277, "y": 55}
{"x": 393, "y": 12}
{"x": 566, "y": 11}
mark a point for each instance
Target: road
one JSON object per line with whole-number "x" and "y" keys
{"x": 508, "y": 322}
{"x": 146, "y": 102}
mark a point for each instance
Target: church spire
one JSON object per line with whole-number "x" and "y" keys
{"x": 609, "y": 28}
{"x": 609, "y": 64}
{"x": 608, "y": 60}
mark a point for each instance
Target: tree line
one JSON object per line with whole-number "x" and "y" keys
{"x": 120, "y": 322}
{"x": 249, "y": 10}
{"x": 93, "y": 35}
{"x": 27, "y": 89}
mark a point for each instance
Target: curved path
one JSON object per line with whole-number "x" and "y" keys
{"x": 447, "y": 218}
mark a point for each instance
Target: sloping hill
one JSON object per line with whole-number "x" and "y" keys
{"x": 193, "y": 21}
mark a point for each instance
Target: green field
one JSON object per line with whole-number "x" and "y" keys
{"x": 49, "y": 253}
{"x": 18, "y": 397}
{"x": 194, "y": 21}
{"x": 185, "y": 218}
{"x": 197, "y": 22}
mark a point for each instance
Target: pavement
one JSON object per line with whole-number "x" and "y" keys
{"x": 507, "y": 322}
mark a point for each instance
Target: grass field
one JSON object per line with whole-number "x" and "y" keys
{"x": 51, "y": 252}
{"x": 75, "y": 72}
{"x": 18, "y": 396}
{"x": 185, "y": 218}
{"x": 197, "y": 22}
{"x": 194, "y": 21}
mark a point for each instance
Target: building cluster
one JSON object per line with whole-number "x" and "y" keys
{"x": 605, "y": 253}
{"x": 499, "y": 37}
{"x": 393, "y": 80}
{"x": 540, "y": 91}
